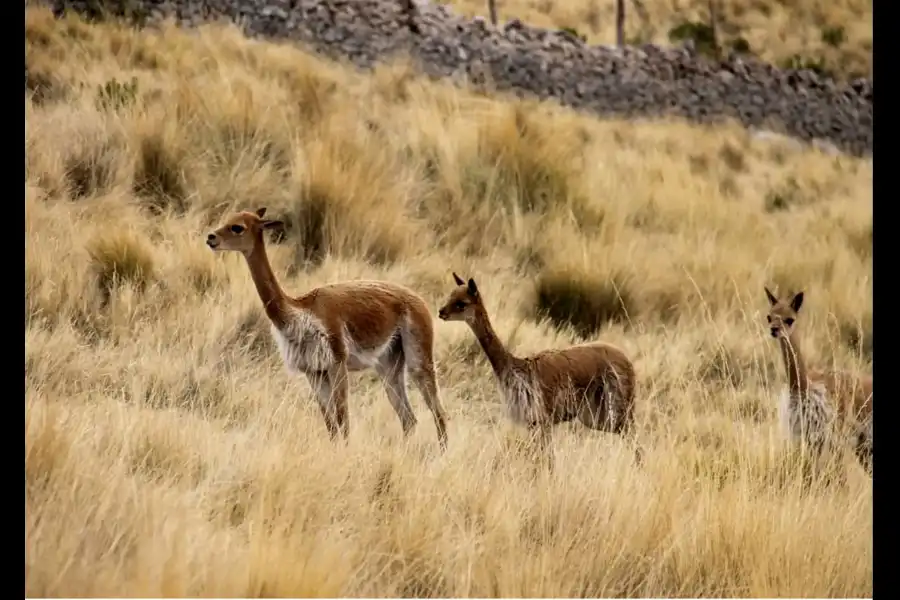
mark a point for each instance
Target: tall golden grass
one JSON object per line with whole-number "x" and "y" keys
{"x": 838, "y": 33}
{"x": 168, "y": 453}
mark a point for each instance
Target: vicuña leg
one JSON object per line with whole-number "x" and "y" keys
{"x": 863, "y": 446}
{"x": 593, "y": 410}
{"x": 417, "y": 351}
{"x": 425, "y": 380}
{"x": 392, "y": 371}
{"x": 340, "y": 386}
{"x": 322, "y": 387}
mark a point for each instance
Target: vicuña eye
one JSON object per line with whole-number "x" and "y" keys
{"x": 789, "y": 321}
{"x": 237, "y": 228}
{"x": 460, "y": 305}
{"x": 769, "y": 318}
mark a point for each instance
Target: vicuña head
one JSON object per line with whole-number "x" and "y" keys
{"x": 464, "y": 302}
{"x": 783, "y": 313}
{"x": 241, "y": 232}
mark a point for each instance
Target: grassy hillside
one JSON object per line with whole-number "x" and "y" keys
{"x": 835, "y": 35}
{"x": 169, "y": 453}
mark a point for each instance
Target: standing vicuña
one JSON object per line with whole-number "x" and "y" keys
{"x": 594, "y": 383}
{"x": 342, "y": 327}
{"x": 817, "y": 401}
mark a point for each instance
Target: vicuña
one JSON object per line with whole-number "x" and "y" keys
{"x": 594, "y": 383}
{"x": 342, "y": 327}
{"x": 818, "y": 404}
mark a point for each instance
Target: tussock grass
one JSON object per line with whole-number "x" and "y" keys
{"x": 169, "y": 453}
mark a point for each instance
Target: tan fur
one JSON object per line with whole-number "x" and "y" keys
{"x": 340, "y": 328}
{"x": 819, "y": 403}
{"x": 594, "y": 383}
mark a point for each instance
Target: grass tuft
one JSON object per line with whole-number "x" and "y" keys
{"x": 119, "y": 257}
{"x": 582, "y": 302}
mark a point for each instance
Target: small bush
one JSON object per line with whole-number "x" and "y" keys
{"x": 574, "y": 33}
{"x": 119, "y": 258}
{"x": 784, "y": 196}
{"x": 91, "y": 170}
{"x": 524, "y": 160}
{"x": 44, "y": 87}
{"x": 158, "y": 177}
{"x": 816, "y": 65}
{"x": 834, "y": 36}
{"x": 740, "y": 45}
{"x": 114, "y": 95}
{"x": 581, "y": 302}
{"x": 700, "y": 33}
{"x": 732, "y": 157}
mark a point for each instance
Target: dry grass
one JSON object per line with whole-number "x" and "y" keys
{"x": 168, "y": 453}
{"x": 838, "y": 32}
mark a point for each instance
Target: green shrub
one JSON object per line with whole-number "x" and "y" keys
{"x": 834, "y": 36}
{"x": 700, "y": 33}
{"x": 114, "y": 95}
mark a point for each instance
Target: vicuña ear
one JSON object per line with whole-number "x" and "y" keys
{"x": 273, "y": 224}
{"x": 473, "y": 289}
{"x": 458, "y": 279}
{"x": 797, "y": 301}
{"x": 772, "y": 299}
{"x": 261, "y": 212}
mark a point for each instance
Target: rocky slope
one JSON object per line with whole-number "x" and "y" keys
{"x": 644, "y": 81}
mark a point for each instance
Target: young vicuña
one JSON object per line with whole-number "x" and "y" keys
{"x": 594, "y": 383}
{"x": 342, "y": 327}
{"x": 817, "y": 402}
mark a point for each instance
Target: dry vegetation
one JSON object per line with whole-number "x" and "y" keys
{"x": 838, "y": 32}
{"x": 168, "y": 452}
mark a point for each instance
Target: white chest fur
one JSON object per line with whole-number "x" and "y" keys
{"x": 523, "y": 398}
{"x": 806, "y": 417}
{"x": 303, "y": 343}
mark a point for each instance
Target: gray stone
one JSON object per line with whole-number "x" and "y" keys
{"x": 633, "y": 82}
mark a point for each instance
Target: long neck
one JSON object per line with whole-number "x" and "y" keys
{"x": 273, "y": 298}
{"x": 794, "y": 365}
{"x": 497, "y": 354}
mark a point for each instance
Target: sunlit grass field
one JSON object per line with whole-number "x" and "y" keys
{"x": 169, "y": 453}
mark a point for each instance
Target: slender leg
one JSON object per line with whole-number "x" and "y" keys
{"x": 863, "y": 446}
{"x": 322, "y": 387}
{"x": 340, "y": 385}
{"x": 419, "y": 362}
{"x": 424, "y": 379}
{"x": 393, "y": 373}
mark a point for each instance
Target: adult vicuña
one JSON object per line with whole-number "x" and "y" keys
{"x": 342, "y": 327}
{"x": 592, "y": 382}
{"x": 816, "y": 401}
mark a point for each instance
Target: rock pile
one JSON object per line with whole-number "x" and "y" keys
{"x": 641, "y": 81}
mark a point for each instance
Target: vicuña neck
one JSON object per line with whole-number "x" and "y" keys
{"x": 497, "y": 354}
{"x": 794, "y": 365}
{"x": 271, "y": 294}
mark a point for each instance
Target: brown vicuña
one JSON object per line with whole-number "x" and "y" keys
{"x": 818, "y": 402}
{"x": 342, "y": 327}
{"x": 594, "y": 382}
